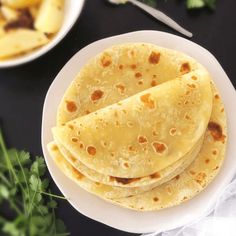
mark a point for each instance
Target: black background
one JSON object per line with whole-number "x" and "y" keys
{"x": 23, "y": 89}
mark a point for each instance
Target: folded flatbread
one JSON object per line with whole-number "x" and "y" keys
{"x": 144, "y": 133}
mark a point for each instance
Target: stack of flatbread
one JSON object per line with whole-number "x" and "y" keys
{"x": 141, "y": 126}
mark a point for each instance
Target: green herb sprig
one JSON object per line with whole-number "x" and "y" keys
{"x": 190, "y": 4}
{"x": 25, "y": 191}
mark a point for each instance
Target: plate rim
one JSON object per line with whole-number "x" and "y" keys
{"x": 135, "y": 35}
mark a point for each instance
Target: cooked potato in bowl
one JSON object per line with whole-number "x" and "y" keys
{"x": 28, "y": 24}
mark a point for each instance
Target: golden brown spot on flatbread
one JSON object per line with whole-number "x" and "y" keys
{"x": 141, "y": 208}
{"x": 148, "y": 102}
{"x": 193, "y": 86}
{"x": 54, "y": 147}
{"x": 133, "y": 66}
{"x": 121, "y": 67}
{"x": 140, "y": 82}
{"x": 216, "y": 168}
{"x": 96, "y": 95}
{"x": 142, "y": 139}
{"x": 185, "y": 68}
{"x": 87, "y": 112}
{"x": 200, "y": 177}
{"x": 187, "y": 117}
{"x": 103, "y": 143}
{"x": 192, "y": 172}
{"x": 138, "y": 75}
{"x": 222, "y": 110}
{"x": 155, "y": 175}
{"x": 155, "y": 199}
{"x": 154, "y": 57}
{"x": 173, "y": 131}
{"x": 214, "y": 152}
{"x": 187, "y": 92}
{"x": 184, "y": 198}
{"x": 153, "y": 83}
{"x": 70, "y": 126}
{"x": 131, "y": 148}
{"x": 154, "y": 76}
{"x": 78, "y": 174}
{"x": 154, "y": 133}
{"x": 73, "y": 159}
{"x": 126, "y": 165}
{"x": 97, "y": 183}
{"x": 71, "y": 106}
{"x": 207, "y": 160}
{"x": 216, "y": 131}
{"x": 106, "y": 60}
{"x": 91, "y": 150}
{"x": 112, "y": 154}
{"x": 177, "y": 177}
{"x": 121, "y": 88}
{"x": 123, "y": 180}
{"x": 194, "y": 77}
{"x": 117, "y": 123}
{"x": 159, "y": 147}
{"x": 217, "y": 96}
{"x": 81, "y": 145}
{"x": 186, "y": 102}
{"x": 74, "y": 139}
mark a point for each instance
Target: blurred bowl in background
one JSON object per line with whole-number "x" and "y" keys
{"x": 72, "y": 12}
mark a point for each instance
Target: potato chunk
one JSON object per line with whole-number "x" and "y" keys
{"x": 20, "y": 3}
{"x": 50, "y": 16}
{"x": 20, "y": 41}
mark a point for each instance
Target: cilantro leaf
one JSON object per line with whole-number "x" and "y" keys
{"x": 38, "y": 167}
{"x": 4, "y": 192}
{"x": 195, "y": 4}
{"x": 24, "y": 188}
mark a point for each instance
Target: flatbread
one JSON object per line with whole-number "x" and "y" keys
{"x": 197, "y": 176}
{"x": 155, "y": 179}
{"x": 120, "y": 72}
{"x": 144, "y": 133}
{"x": 104, "y": 191}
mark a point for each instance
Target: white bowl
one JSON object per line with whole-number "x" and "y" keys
{"x": 115, "y": 216}
{"x": 72, "y": 11}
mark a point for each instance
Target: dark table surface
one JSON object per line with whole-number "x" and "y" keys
{"x": 23, "y": 89}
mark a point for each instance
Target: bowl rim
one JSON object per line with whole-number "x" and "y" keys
{"x": 44, "y": 49}
{"x": 221, "y": 180}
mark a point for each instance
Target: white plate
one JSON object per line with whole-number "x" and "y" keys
{"x": 72, "y": 12}
{"x": 115, "y": 216}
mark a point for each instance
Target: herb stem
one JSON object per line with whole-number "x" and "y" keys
{"x": 15, "y": 207}
{"x": 3, "y": 147}
{"x": 8, "y": 161}
{"x": 52, "y": 195}
{"x": 4, "y": 179}
{"x": 26, "y": 181}
{"x": 32, "y": 201}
